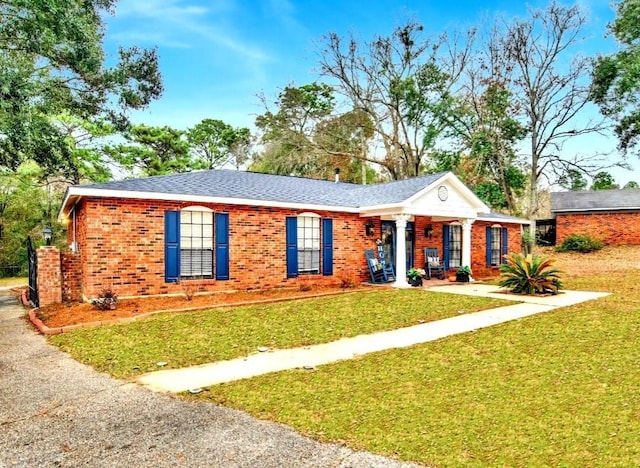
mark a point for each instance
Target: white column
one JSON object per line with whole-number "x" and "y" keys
{"x": 466, "y": 242}
{"x": 401, "y": 250}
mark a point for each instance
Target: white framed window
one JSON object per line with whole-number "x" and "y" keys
{"x": 308, "y": 243}
{"x": 196, "y": 243}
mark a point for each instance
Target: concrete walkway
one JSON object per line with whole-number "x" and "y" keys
{"x": 56, "y": 412}
{"x": 179, "y": 380}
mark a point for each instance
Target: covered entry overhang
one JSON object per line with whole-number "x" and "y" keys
{"x": 446, "y": 199}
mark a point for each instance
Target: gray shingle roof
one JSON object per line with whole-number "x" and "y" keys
{"x": 598, "y": 200}
{"x": 273, "y": 188}
{"x": 392, "y": 192}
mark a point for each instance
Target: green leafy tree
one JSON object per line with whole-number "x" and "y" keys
{"x": 603, "y": 181}
{"x": 573, "y": 180}
{"x": 153, "y": 151}
{"x": 486, "y": 127}
{"x": 287, "y": 131}
{"x": 304, "y": 137}
{"x": 86, "y": 140}
{"x": 52, "y": 61}
{"x": 26, "y": 206}
{"x": 616, "y": 79}
{"x": 632, "y": 184}
{"x": 342, "y": 141}
{"x": 216, "y": 144}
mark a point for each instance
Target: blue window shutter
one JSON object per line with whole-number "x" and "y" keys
{"x": 292, "y": 247}
{"x": 171, "y": 246}
{"x": 222, "y": 246}
{"x": 327, "y": 247}
{"x": 488, "y": 246}
{"x": 505, "y": 244}
{"x": 445, "y": 246}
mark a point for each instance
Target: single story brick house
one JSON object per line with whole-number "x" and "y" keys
{"x": 610, "y": 215}
{"x": 231, "y": 230}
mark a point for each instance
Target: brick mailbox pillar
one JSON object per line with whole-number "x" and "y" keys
{"x": 49, "y": 276}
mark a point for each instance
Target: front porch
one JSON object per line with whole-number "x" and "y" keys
{"x": 448, "y": 217}
{"x": 478, "y": 242}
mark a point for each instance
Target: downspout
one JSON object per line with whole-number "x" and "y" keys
{"x": 74, "y": 244}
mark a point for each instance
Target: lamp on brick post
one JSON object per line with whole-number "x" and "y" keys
{"x": 47, "y": 234}
{"x": 428, "y": 231}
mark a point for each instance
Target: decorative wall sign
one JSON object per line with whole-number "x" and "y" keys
{"x": 443, "y": 193}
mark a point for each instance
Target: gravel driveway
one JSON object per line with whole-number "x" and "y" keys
{"x": 57, "y": 412}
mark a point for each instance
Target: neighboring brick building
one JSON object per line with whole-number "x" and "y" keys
{"x": 230, "y": 230}
{"x": 610, "y": 215}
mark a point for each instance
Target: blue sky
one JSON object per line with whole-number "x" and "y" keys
{"x": 217, "y": 55}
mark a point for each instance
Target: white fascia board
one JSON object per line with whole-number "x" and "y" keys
{"x": 587, "y": 210}
{"x": 78, "y": 192}
{"x": 391, "y": 208}
{"x": 504, "y": 220}
{"x": 400, "y": 209}
{"x": 62, "y": 212}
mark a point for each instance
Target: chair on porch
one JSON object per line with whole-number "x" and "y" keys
{"x": 379, "y": 271}
{"x": 433, "y": 265}
{"x": 389, "y": 274}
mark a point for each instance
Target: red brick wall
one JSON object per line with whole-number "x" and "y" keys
{"x": 121, "y": 246}
{"x": 49, "y": 276}
{"x": 71, "y": 276}
{"x": 478, "y": 244}
{"x": 612, "y": 228}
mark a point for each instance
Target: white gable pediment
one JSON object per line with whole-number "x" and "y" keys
{"x": 447, "y": 197}
{"x": 444, "y": 199}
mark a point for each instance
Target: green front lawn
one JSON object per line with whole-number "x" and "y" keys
{"x": 555, "y": 389}
{"x": 195, "y": 338}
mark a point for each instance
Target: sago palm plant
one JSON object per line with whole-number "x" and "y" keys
{"x": 529, "y": 274}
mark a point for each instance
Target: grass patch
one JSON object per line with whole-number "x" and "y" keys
{"x": 556, "y": 389}
{"x": 195, "y": 338}
{"x": 14, "y": 281}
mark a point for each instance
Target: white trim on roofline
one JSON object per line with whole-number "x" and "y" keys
{"x": 375, "y": 210}
{"x": 512, "y": 220}
{"x": 584, "y": 210}
{"x": 77, "y": 192}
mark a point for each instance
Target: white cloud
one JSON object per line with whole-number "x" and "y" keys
{"x": 158, "y": 9}
{"x": 148, "y": 37}
{"x": 175, "y": 23}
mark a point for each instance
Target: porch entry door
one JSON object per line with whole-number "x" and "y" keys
{"x": 388, "y": 239}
